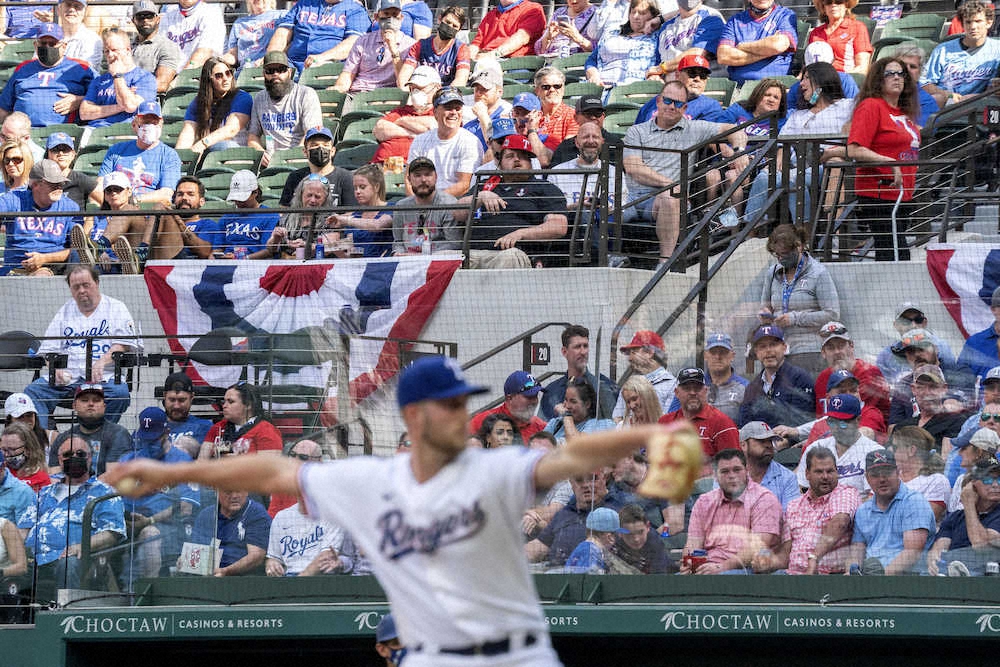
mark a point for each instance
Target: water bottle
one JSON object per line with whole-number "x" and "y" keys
{"x": 269, "y": 144}
{"x": 992, "y": 569}
{"x": 425, "y": 246}
{"x": 320, "y": 250}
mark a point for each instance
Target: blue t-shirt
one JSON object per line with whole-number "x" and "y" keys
{"x": 250, "y": 525}
{"x": 205, "y": 229}
{"x": 250, "y": 35}
{"x": 247, "y": 230}
{"x": 742, "y": 27}
{"x": 242, "y": 103}
{"x": 318, "y": 26}
{"x": 21, "y": 22}
{"x": 882, "y": 531}
{"x": 928, "y": 106}
{"x": 102, "y": 93}
{"x": 414, "y": 13}
{"x": 702, "y": 107}
{"x": 34, "y": 88}
{"x": 477, "y": 129}
{"x": 445, "y": 64}
{"x": 157, "y": 502}
{"x": 192, "y": 427}
{"x": 148, "y": 170}
{"x": 36, "y": 232}
{"x": 704, "y": 34}
{"x": 587, "y": 557}
{"x": 736, "y": 114}
{"x": 964, "y": 72}
{"x": 374, "y": 244}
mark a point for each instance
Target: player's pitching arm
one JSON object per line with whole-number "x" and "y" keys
{"x": 250, "y": 472}
{"x": 588, "y": 451}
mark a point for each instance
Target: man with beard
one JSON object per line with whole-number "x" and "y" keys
{"x": 589, "y": 109}
{"x": 929, "y": 389}
{"x": 185, "y": 234}
{"x": 627, "y": 475}
{"x": 488, "y": 104}
{"x": 319, "y": 151}
{"x": 715, "y": 430}
{"x": 817, "y": 528}
{"x": 178, "y": 395}
{"x": 846, "y": 442}
{"x": 108, "y": 440}
{"x": 733, "y": 522}
{"x": 396, "y": 130}
{"x": 920, "y": 348}
{"x": 782, "y": 393}
{"x": 757, "y": 440}
{"x": 283, "y": 111}
{"x": 451, "y": 147}
{"x": 758, "y": 42}
{"x": 589, "y": 141}
{"x": 413, "y": 227}
{"x": 520, "y": 400}
{"x": 151, "y": 50}
{"x": 838, "y": 352}
{"x": 115, "y": 96}
{"x": 152, "y": 167}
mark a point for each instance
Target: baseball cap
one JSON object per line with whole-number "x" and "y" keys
{"x": 605, "y": 520}
{"x": 906, "y": 306}
{"x": 433, "y": 378}
{"x": 838, "y": 377}
{"x": 521, "y": 382}
{"x": 275, "y": 58}
{"x": 318, "y": 132}
{"x": 589, "y": 103}
{"x": 89, "y": 389}
{"x": 915, "y": 338}
{"x": 487, "y": 78}
{"x": 719, "y": 339}
{"x": 642, "y": 338}
{"x": 503, "y": 127}
{"x": 929, "y": 371}
{"x": 48, "y": 171}
{"x": 59, "y": 139}
{"x": 693, "y": 61}
{"x": 388, "y": 4}
{"x": 691, "y": 375}
{"x": 843, "y": 406}
{"x": 817, "y": 52}
{"x": 518, "y": 143}
{"x": 527, "y": 101}
{"x": 117, "y": 179}
{"x": 144, "y": 7}
{"x": 421, "y": 163}
{"x": 768, "y": 331}
{"x": 758, "y": 431}
{"x": 423, "y": 75}
{"x": 151, "y": 108}
{"x": 985, "y": 439}
{"x": 833, "y": 330}
{"x": 49, "y": 30}
{"x": 386, "y": 629}
{"x": 446, "y": 96}
{"x": 241, "y": 185}
{"x": 880, "y": 458}
{"x": 993, "y": 375}
{"x": 983, "y": 468}
{"x": 152, "y": 424}
{"x": 178, "y": 382}
{"x": 18, "y": 405}
{"x": 82, "y": 2}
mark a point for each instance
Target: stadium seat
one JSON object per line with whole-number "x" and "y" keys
{"x": 16, "y": 52}
{"x": 284, "y": 161}
{"x": 230, "y": 160}
{"x": 251, "y": 79}
{"x": 322, "y": 76}
{"x": 373, "y": 104}
{"x": 103, "y": 137}
{"x": 720, "y": 89}
{"x": 187, "y": 78}
{"x": 331, "y": 102}
{"x": 189, "y": 160}
{"x": 395, "y": 185}
{"x": 89, "y": 163}
{"x": 171, "y": 130}
{"x": 512, "y": 89}
{"x": 216, "y": 185}
{"x": 357, "y": 133}
{"x": 355, "y": 156}
{"x": 916, "y": 26}
{"x": 272, "y": 185}
{"x": 574, "y": 91}
{"x": 41, "y": 134}
{"x": 619, "y": 123}
{"x": 522, "y": 69}
{"x": 632, "y": 95}
{"x": 574, "y": 66}
{"x": 175, "y": 106}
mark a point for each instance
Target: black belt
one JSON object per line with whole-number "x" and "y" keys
{"x": 498, "y": 647}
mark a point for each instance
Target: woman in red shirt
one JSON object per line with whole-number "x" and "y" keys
{"x": 884, "y": 129}
{"x": 243, "y": 428}
{"x": 23, "y": 455}
{"x": 847, "y": 36}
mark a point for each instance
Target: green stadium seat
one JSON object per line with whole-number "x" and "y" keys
{"x": 284, "y": 161}
{"x": 618, "y": 123}
{"x": 41, "y": 134}
{"x": 522, "y": 69}
{"x": 251, "y": 79}
{"x": 230, "y": 160}
{"x": 89, "y": 163}
{"x": 357, "y": 133}
{"x": 720, "y": 89}
{"x": 355, "y": 156}
{"x": 103, "y": 137}
{"x": 175, "y": 106}
{"x": 322, "y": 76}
{"x": 632, "y": 95}
{"x": 574, "y": 66}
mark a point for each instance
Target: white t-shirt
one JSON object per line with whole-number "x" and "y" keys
{"x": 287, "y": 120}
{"x": 202, "y": 28}
{"x": 296, "y": 540}
{"x": 955, "y": 498}
{"x": 70, "y": 327}
{"x": 86, "y": 45}
{"x": 460, "y": 154}
{"x": 850, "y": 466}
{"x": 448, "y": 552}
{"x": 571, "y": 184}
{"x": 935, "y": 488}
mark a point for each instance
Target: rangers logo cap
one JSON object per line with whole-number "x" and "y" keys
{"x": 433, "y": 378}
{"x": 152, "y": 425}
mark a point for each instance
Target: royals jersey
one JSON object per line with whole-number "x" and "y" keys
{"x": 742, "y": 27}
{"x": 69, "y": 329}
{"x": 34, "y": 88}
{"x": 102, "y": 93}
{"x": 148, "y": 170}
{"x": 318, "y": 26}
{"x": 297, "y": 540}
{"x": 34, "y": 232}
{"x": 448, "y": 552}
{"x": 201, "y": 27}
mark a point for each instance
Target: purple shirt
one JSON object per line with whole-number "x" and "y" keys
{"x": 371, "y": 64}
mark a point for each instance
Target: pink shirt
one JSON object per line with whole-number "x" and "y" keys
{"x": 805, "y": 518}
{"x": 723, "y": 524}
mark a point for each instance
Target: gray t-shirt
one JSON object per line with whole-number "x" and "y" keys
{"x": 649, "y": 135}
{"x": 411, "y": 228}
{"x": 108, "y": 444}
{"x": 286, "y": 120}
{"x": 157, "y": 52}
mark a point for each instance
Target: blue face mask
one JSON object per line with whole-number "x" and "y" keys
{"x": 397, "y": 655}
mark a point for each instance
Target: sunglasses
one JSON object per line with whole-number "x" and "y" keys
{"x": 113, "y": 190}
{"x": 13, "y": 160}
{"x": 405, "y": 443}
{"x": 677, "y": 104}
{"x": 78, "y": 453}
{"x": 62, "y": 148}
{"x": 916, "y": 319}
{"x": 318, "y": 177}
{"x": 834, "y": 2}
{"x": 550, "y": 86}
{"x": 530, "y": 384}
{"x": 280, "y": 69}
{"x": 693, "y": 73}
{"x": 593, "y": 115}
{"x": 889, "y": 73}
{"x": 990, "y": 481}
{"x": 985, "y": 417}
{"x": 219, "y": 76}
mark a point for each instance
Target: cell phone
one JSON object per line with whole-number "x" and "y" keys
{"x": 563, "y": 21}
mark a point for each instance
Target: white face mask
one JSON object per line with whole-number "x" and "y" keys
{"x": 55, "y": 196}
{"x": 149, "y": 134}
{"x": 419, "y": 98}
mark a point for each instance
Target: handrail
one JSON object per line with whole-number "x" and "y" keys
{"x": 523, "y": 338}
{"x": 88, "y": 514}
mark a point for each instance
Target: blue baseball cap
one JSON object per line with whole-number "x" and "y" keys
{"x": 521, "y": 382}
{"x": 152, "y": 425}
{"x": 433, "y": 378}
{"x": 151, "y": 108}
{"x": 527, "y": 101}
{"x": 59, "y": 139}
{"x": 768, "y": 331}
{"x": 385, "y": 631}
{"x": 49, "y": 30}
{"x": 318, "y": 132}
{"x": 447, "y": 95}
{"x": 605, "y": 520}
{"x": 718, "y": 339}
{"x": 843, "y": 406}
{"x": 838, "y": 377}
{"x": 503, "y": 127}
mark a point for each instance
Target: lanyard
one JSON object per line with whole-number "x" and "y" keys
{"x": 788, "y": 286}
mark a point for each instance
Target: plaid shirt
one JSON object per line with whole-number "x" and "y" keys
{"x": 805, "y": 519}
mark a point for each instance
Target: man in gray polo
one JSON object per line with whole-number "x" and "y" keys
{"x": 649, "y": 169}
{"x": 152, "y": 51}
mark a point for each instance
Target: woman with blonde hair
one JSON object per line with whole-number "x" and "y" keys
{"x": 16, "y": 161}
{"x": 920, "y": 466}
{"x": 24, "y": 454}
{"x": 847, "y": 36}
{"x": 642, "y": 406}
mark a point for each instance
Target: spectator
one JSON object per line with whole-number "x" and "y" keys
{"x": 589, "y": 109}
{"x": 624, "y": 56}
{"x": 610, "y": 15}
{"x": 13, "y": 558}
{"x": 20, "y": 408}
{"x": 732, "y": 522}
{"x": 820, "y": 52}
{"x": 37, "y": 245}
{"x": 451, "y": 147}
{"x": 319, "y": 151}
{"x": 526, "y": 111}
{"x": 930, "y": 388}
{"x": 17, "y": 127}
{"x": 115, "y": 96}
{"x": 725, "y": 387}
{"x": 364, "y": 233}
{"x": 758, "y": 442}
{"x": 891, "y": 359}
{"x": 920, "y": 467}
{"x": 250, "y": 34}
{"x": 299, "y": 546}
{"x": 576, "y": 351}
{"x": 570, "y": 30}
{"x": 241, "y": 525}
{"x": 418, "y": 19}
{"x": 17, "y": 165}
{"x": 198, "y": 30}
{"x": 558, "y": 120}
{"x": 510, "y": 29}
{"x": 288, "y": 240}
{"x": 497, "y": 430}
{"x": 913, "y": 57}
{"x": 647, "y": 355}
{"x": 152, "y": 51}
{"x": 110, "y": 234}
{"x": 520, "y": 401}
{"x": 715, "y": 430}
{"x": 396, "y": 130}
{"x": 284, "y": 111}
{"x": 244, "y": 234}
{"x": 639, "y": 548}
{"x": 847, "y": 36}
{"x": 838, "y": 353}
{"x": 759, "y": 42}
{"x": 872, "y": 423}
{"x": 376, "y": 58}
{"x": 590, "y": 556}
{"x": 783, "y": 392}
{"x": 960, "y": 68}
{"x": 243, "y": 428}
{"x": 61, "y": 149}
{"x": 107, "y": 439}
{"x": 537, "y": 517}
{"x": 983, "y": 444}
{"x": 319, "y": 31}
{"x": 577, "y": 413}
{"x": 488, "y": 104}
{"x": 24, "y": 457}
{"x": 518, "y": 214}
{"x": 303, "y": 450}
{"x": 55, "y": 525}
{"x": 152, "y": 167}
{"x": 693, "y": 71}
{"x": 991, "y": 394}
{"x": 412, "y": 227}
{"x": 980, "y": 352}
{"x": 387, "y": 643}
{"x": 846, "y": 442}
{"x": 20, "y": 22}
{"x": 178, "y": 396}
{"x": 15, "y": 494}
{"x": 442, "y": 53}
{"x": 970, "y": 538}
{"x": 184, "y": 234}
{"x": 218, "y": 116}
{"x": 48, "y": 88}
{"x": 894, "y": 527}
{"x": 919, "y": 347}
{"x": 694, "y": 31}
{"x": 817, "y": 527}
{"x": 627, "y": 475}
{"x": 82, "y": 43}
{"x": 884, "y": 129}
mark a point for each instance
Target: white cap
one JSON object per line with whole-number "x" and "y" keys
{"x": 818, "y": 52}
{"x": 242, "y": 185}
{"x": 117, "y": 179}
{"x": 424, "y": 75}
{"x": 17, "y": 405}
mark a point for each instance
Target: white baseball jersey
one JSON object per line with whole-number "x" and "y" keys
{"x": 110, "y": 318}
{"x": 296, "y": 540}
{"x": 447, "y": 552}
{"x": 850, "y": 466}
{"x": 201, "y": 27}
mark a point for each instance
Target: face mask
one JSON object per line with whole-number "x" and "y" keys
{"x": 757, "y": 13}
{"x": 16, "y": 462}
{"x": 75, "y": 466}
{"x": 48, "y": 55}
{"x": 688, "y": 5}
{"x": 319, "y": 157}
{"x": 447, "y": 32}
{"x": 149, "y": 134}
{"x": 814, "y": 98}
{"x": 419, "y": 98}
{"x": 789, "y": 261}
{"x": 844, "y": 434}
{"x": 390, "y": 24}
{"x": 397, "y": 655}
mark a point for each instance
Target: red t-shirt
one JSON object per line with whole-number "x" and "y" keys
{"x": 533, "y": 426}
{"x": 559, "y": 124}
{"x": 397, "y": 146}
{"x": 35, "y": 481}
{"x": 872, "y": 386}
{"x": 715, "y": 429}
{"x": 262, "y": 436}
{"x": 847, "y": 41}
{"x": 889, "y": 132}
{"x": 496, "y": 28}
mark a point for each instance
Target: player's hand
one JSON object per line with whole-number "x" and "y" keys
{"x": 138, "y": 478}
{"x": 491, "y": 201}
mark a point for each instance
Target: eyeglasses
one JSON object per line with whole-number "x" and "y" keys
{"x": 63, "y": 148}
{"x": 550, "y": 86}
{"x": 113, "y": 190}
{"x": 219, "y": 76}
{"x": 273, "y": 71}
{"x": 889, "y": 73}
{"x": 305, "y": 457}
{"x": 693, "y": 73}
{"x": 986, "y": 417}
{"x": 78, "y": 453}
{"x": 677, "y": 104}
{"x": 14, "y": 159}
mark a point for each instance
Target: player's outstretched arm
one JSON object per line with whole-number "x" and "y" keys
{"x": 251, "y": 472}
{"x": 588, "y": 451}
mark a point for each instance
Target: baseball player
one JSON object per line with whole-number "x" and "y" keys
{"x": 441, "y": 524}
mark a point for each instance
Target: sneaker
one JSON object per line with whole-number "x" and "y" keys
{"x": 84, "y": 246}
{"x": 129, "y": 262}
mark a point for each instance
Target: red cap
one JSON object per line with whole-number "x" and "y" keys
{"x": 693, "y": 60}
{"x": 518, "y": 142}
{"x": 642, "y": 338}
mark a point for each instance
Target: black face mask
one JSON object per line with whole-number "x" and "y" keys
{"x": 447, "y": 32}
{"x": 16, "y": 461}
{"x": 277, "y": 89}
{"x": 75, "y": 466}
{"x": 48, "y": 55}
{"x": 319, "y": 157}
{"x": 91, "y": 424}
